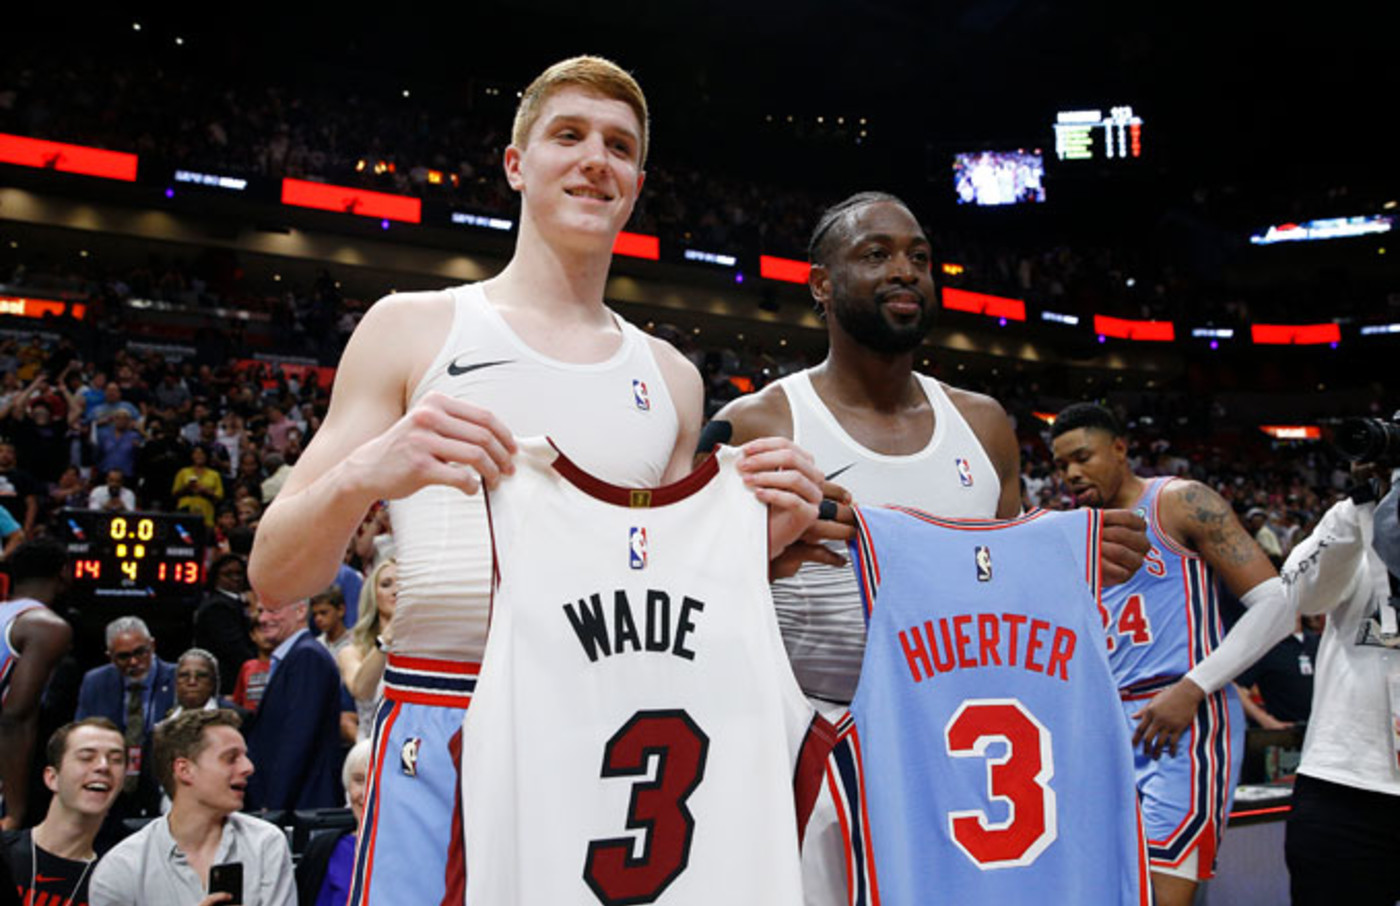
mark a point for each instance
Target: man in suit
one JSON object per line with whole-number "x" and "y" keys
{"x": 135, "y": 691}
{"x": 294, "y": 738}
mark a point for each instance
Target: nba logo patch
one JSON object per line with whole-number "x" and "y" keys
{"x": 983, "y": 557}
{"x": 637, "y": 547}
{"x": 408, "y": 756}
{"x": 964, "y": 472}
{"x": 639, "y": 395}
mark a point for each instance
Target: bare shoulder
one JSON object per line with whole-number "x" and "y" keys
{"x": 401, "y": 331}
{"x": 979, "y": 409}
{"x": 673, "y": 365}
{"x": 765, "y": 413}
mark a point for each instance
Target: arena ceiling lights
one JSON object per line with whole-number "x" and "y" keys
{"x": 63, "y": 158}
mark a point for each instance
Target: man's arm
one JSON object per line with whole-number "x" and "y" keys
{"x": 41, "y": 637}
{"x": 992, "y": 427}
{"x": 370, "y": 449}
{"x": 1201, "y": 518}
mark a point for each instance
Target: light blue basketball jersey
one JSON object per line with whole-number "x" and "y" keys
{"x": 9, "y": 611}
{"x": 986, "y": 733}
{"x": 1166, "y": 618}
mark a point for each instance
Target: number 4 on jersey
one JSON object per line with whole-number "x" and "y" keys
{"x": 1132, "y": 622}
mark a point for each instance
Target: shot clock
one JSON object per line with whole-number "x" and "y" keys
{"x": 134, "y": 555}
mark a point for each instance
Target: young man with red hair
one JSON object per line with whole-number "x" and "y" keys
{"x": 431, "y": 391}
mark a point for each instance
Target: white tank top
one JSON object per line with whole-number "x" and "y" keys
{"x": 615, "y": 417}
{"x": 819, "y": 609}
{"x": 637, "y": 732}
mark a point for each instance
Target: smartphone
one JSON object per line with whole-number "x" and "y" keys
{"x": 227, "y": 878}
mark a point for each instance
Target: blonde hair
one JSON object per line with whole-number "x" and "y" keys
{"x": 594, "y": 74}
{"x": 367, "y": 627}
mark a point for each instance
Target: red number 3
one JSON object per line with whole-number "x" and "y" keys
{"x": 1019, "y": 778}
{"x": 658, "y": 807}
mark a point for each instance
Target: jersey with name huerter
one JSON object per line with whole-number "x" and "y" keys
{"x": 637, "y": 735}
{"x": 1166, "y": 618}
{"x": 985, "y": 736}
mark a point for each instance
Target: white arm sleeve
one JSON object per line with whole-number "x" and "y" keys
{"x": 1267, "y": 621}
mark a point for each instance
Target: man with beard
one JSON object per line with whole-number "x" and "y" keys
{"x": 882, "y": 431}
{"x": 886, "y": 434}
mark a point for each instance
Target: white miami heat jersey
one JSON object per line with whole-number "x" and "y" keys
{"x": 637, "y": 735}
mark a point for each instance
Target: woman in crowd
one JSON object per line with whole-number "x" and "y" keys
{"x": 323, "y": 875}
{"x": 362, "y": 661}
{"x": 198, "y": 488}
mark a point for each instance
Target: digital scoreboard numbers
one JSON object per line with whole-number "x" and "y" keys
{"x": 1087, "y": 134}
{"x": 134, "y": 555}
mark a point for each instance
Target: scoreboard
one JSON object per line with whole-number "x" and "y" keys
{"x": 127, "y": 555}
{"x": 1088, "y": 134}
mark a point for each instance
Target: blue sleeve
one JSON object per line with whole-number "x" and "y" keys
{"x": 8, "y": 525}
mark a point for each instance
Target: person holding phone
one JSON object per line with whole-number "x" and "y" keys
{"x": 205, "y": 852}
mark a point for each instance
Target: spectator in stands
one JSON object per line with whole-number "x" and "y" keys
{"x": 32, "y": 640}
{"x": 198, "y": 487}
{"x": 112, "y": 494}
{"x": 197, "y": 683}
{"x": 362, "y": 662}
{"x": 134, "y": 692}
{"x": 161, "y": 456}
{"x": 221, "y": 623}
{"x": 1257, "y": 521}
{"x": 51, "y": 862}
{"x": 171, "y": 393}
{"x": 323, "y": 875}
{"x": 1283, "y": 678}
{"x": 19, "y": 492}
{"x": 229, "y": 434}
{"x": 105, "y": 412}
{"x": 117, "y": 443}
{"x": 328, "y": 616}
{"x": 204, "y": 766}
{"x": 293, "y": 737}
{"x": 70, "y": 491}
{"x": 208, "y": 438}
{"x": 280, "y": 470}
{"x": 254, "y": 674}
{"x": 10, "y": 533}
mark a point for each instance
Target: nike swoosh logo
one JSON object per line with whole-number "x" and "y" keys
{"x": 832, "y": 476}
{"x": 453, "y": 369}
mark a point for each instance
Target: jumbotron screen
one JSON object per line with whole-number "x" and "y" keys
{"x": 999, "y": 177}
{"x": 1092, "y": 134}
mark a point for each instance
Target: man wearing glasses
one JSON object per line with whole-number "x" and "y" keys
{"x": 135, "y": 691}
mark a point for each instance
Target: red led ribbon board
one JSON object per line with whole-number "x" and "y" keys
{"x": 1295, "y": 334}
{"x": 345, "y": 200}
{"x": 785, "y": 269}
{"x": 1125, "y": 329}
{"x": 638, "y": 245}
{"x": 35, "y": 152}
{"x": 1292, "y": 432}
{"x": 39, "y": 308}
{"x": 982, "y": 304}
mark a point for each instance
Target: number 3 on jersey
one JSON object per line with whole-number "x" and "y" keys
{"x": 657, "y": 808}
{"x": 1132, "y": 622}
{"x": 1018, "y": 779}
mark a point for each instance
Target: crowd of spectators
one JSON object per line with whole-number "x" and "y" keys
{"x": 448, "y": 147}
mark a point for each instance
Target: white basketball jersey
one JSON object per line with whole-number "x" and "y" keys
{"x": 636, "y": 732}
{"x": 819, "y": 609}
{"x": 615, "y": 416}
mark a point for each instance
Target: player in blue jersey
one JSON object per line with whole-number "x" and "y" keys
{"x": 1161, "y": 625}
{"x": 32, "y": 639}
